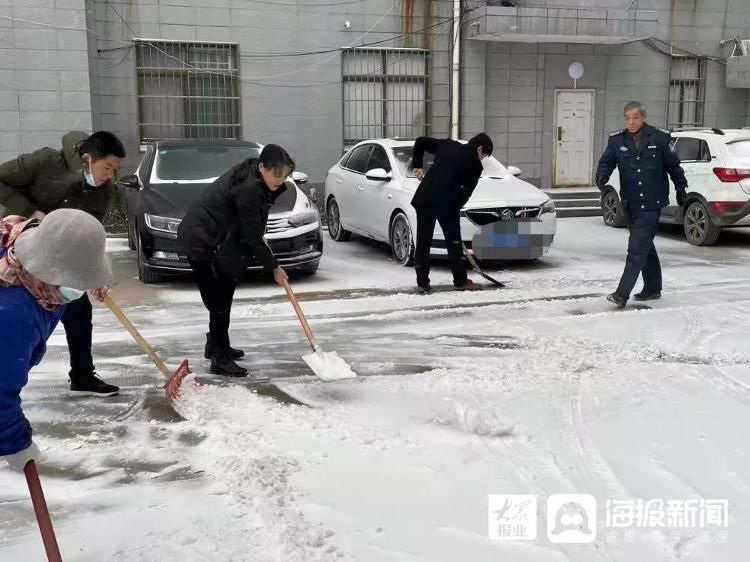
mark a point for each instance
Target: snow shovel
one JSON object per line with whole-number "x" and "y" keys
{"x": 475, "y": 267}
{"x": 42, "y": 513}
{"x": 174, "y": 379}
{"x": 327, "y": 366}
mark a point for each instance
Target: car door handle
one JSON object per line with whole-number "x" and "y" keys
{"x": 339, "y": 180}
{"x": 361, "y": 188}
{"x": 390, "y": 196}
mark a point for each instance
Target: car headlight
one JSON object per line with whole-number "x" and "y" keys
{"x": 302, "y": 218}
{"x": 548, "y": 207}
{"x": 162, "y": 224}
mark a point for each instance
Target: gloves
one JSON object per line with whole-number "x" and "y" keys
{"x": 681, "y": 197}
{"x": 600, "y": 183}
{"x": 17, "y": 461}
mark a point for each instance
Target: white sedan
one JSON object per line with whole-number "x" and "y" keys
{"x": 369, "y": 192}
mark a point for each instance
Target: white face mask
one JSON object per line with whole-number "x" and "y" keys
{"x": 89, "y": 178}
{"x": 69, "y": 294}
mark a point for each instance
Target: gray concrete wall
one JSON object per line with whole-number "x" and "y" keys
{"x": 44, "y": 81}
{"x": 295, "y": 101}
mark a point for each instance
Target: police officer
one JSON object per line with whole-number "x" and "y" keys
{"x": 644, "y": 156}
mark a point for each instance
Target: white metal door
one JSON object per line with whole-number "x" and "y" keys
{"x": 573, "y": 137}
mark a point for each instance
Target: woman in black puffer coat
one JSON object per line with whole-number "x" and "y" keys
{"x": 222, "y": 231}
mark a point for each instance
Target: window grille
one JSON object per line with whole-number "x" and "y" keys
{"x": 386, "y": 93}
{"x": 187, "y": 90}
{"x": 687, "y": 92}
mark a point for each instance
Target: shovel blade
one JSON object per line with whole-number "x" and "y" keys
{"x": 172, "y": 386}
{"x": 329, "y": 366}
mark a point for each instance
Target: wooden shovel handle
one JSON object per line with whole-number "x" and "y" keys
{"x": 142, "y": 343}
{"x": 300, "y": 314}
{"x": 42, "y": 513}
{"x": 472, "y": 261}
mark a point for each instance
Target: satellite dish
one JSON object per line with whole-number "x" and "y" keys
{"x": 575, "y": 70}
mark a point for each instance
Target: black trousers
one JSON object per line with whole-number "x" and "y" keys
{"x": 642, "y": 257}
{"x": 217, "y": 292}
{"x": 450, "y": 223}
{"x": 77, "y": 321}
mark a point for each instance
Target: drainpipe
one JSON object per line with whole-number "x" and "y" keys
{"x": 456, "y": 70}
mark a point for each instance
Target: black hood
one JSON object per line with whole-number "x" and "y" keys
{"x": 174, "y": 199}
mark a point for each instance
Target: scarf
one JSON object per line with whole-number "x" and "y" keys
{"x": 12, "y": 272}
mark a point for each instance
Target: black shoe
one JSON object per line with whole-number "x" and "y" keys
{"x": 426, "y": 290}
{"x": 91, "y": 385}
{"x": 226, "y": 367}
{"x": 209, "y": 351}
{"x": 468, "y": 285}
{"x": 644, "y": 296}
{"x": 617, "y": 299}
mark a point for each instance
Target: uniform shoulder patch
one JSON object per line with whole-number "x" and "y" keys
{"x": 617, "y": 133}
{"x": 665, "y": 131}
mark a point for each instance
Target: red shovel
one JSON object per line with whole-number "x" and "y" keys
{"x": 174, "y": 379}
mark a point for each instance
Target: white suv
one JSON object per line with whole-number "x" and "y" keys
{"x": 717, "y": 167}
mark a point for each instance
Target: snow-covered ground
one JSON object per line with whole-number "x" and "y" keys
{"x": 538, "y": 389}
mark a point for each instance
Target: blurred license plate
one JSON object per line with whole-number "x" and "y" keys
{"x": 511, "y": 240}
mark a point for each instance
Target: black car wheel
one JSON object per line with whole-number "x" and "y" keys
{"x": 700, "y": 230}
{"x": 402, "y": 242}
{"x": 144, "y": 272}
{"x": 612, "y": 210}
{"x": 335, "y": 230}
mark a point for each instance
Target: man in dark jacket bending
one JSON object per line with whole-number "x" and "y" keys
{"x": 443, "y": 191}
{"x": 80, "y": 176}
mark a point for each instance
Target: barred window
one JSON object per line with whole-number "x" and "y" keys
{"x": 687, "y": 92}
{"x": 187, "y": 90}
{"x": 385, "y": 93}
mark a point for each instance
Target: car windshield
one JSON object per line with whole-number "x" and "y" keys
{"x": 492, "y": 166}
{"x": 403, "y": 159}
{"x": 198, "y": 164}
{"x": 740, "y": 151}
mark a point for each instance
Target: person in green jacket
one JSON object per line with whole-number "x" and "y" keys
{"x": 80, "y": 176}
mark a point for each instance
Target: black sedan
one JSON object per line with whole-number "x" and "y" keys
{"x": 174, "y": 173}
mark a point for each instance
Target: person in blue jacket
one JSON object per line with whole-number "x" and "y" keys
{"x": 43, "y": 266}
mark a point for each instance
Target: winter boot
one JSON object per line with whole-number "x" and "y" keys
{"x": 209, "y": 351}
{"x": 426, "y": 290}
{"x": 223, "y": 365}
{"x": 88, "y": 384}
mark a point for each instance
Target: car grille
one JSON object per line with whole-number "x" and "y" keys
{"x": 480, "y": 217}
{"x": 276, "y": 224}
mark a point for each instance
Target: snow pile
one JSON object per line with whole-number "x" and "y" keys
{"x": 254, "y": 476}
{"x": 483, "y": 421}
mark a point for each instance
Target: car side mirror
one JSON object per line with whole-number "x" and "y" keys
{"x": 516, "y": 171}
{"x": 131, "y": 182}
{"x": 300, "y": 178}
{"x": 378, "y": 174}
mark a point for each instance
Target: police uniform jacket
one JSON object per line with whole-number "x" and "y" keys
{"x": 643, "y": 170}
